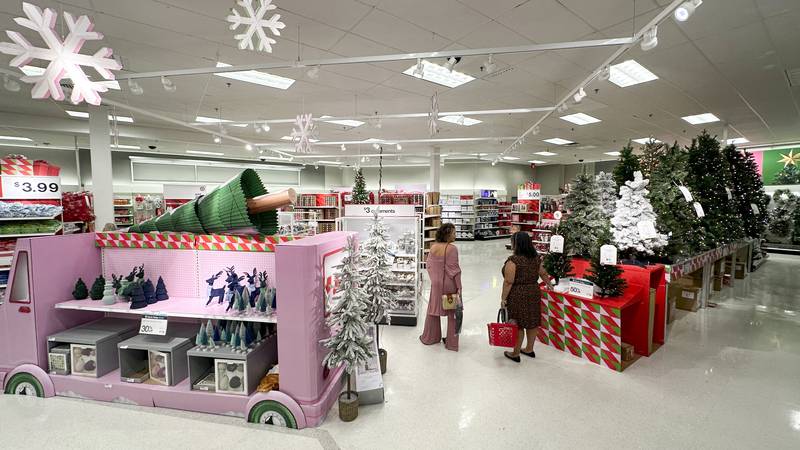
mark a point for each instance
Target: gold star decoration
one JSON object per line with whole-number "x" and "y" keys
{"x": 791, "y": 159}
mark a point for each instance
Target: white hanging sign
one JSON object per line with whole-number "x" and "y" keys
{"x": 755, "y": 209}
{"x": 155, "y": 325}
{"x": 383, "y": 210}
{"x": 557, "y": 244}
{"x": 30, "y": 187}
{"x": 608, "y": 255}
{"x": 686, "y": 194}
{"x": 730, "y": 195}
{"x": 528, "y": 194}
{"x": 581, "y": 288}
{"x": 647, "y": 229}
{"x": 698, "y": 208}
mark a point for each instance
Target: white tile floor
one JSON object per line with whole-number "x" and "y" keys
{"x": 729, "y": 377}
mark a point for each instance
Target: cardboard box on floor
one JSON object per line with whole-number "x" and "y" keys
{"x": 738, "y": 272}
{"x": 685, "y": 297}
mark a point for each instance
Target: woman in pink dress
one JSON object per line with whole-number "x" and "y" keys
{"x": 445, "y": 275}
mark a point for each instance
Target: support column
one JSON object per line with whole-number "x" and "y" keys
{"x": 102, "y": 184}
{"x": 436, "y": 169}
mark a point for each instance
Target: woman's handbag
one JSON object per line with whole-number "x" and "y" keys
{"x": 502, "y": 333}
{"x": 449, "y": 301}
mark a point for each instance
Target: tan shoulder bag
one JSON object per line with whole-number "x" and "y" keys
{"x": 449, "y": 301}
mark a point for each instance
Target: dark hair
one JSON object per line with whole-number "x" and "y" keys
{"x": 522, "y": 245}
{"x": 443, "y": 232}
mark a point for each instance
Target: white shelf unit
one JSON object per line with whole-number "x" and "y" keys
{"x": 324, "y": 215}
{"x": 460, "y": 211}
{"x": 123, "y": 210}
{"x": 487, "y": 221}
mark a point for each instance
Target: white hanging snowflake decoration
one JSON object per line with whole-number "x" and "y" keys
{"x": 304, "y": 134}
{"x": 433, "y": 116}
{"x": 256, "y": 24}
{"x": 65, "y": 59}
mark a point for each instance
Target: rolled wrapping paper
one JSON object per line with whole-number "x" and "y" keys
{"x": 271, "y": 202}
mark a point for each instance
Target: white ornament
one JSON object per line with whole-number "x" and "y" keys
{"x": 256, "y": 24}
{"x": 304, "y": 133}
{"x": 433, "y": 116}
{"x": 65, "y": 59}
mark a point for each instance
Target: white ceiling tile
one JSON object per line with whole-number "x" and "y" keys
{"x": 397, "y": 33}
{"x": 461, "y": 20}
{"x": 545, "y": 21}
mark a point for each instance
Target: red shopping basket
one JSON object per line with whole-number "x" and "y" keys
{"x": 501, "y": 333}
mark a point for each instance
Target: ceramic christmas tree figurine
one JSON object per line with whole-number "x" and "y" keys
{"x": 223, "y": 336}
{"x": 80, "y": 292}
{"x": 261, "y": 302}
{"x": 149, "y": 292}
{"x": 246, "y": 298}
{"x": 96, "y": 292}
{"x": 138, "y": 299}
{"x": 202, "y": 338}
{"x": 161, "y": 290}
{"x": 108, "y": 294}
{"x": 210, "y": 334}
{"x": 634, "y": 222}
{"x": 242, "y": 340}
{"x": 607, "y": 278}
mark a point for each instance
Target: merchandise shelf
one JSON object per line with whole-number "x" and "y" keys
{"x": 191, "y": 308}
{"x": 52, "y": 233}
{"x": 8, "y": 219}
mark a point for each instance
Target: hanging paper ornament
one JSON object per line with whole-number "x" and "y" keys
{"x": 433, "y": 116}
{"x": 64, "y": 57}
{"x": 255, "y": 24}
{"x": 304, "y": 133}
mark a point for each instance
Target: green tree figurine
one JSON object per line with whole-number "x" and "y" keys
{"x": 80, "y": 292}
{"x": 96, "y": 292}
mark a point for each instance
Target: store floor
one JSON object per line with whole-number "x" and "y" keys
{"x": 729, "y": 377}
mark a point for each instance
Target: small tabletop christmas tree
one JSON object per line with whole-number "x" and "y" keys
{"x": 80, "y": 292}
{"x": 149, "y": 292}
{"x": 138, "y": 299}
{"x": 161, "y": 290}
{"x": 633, "y": 214}
{"x": 627, "y": 165}
{"x": 96, "y": 292}
{"x": 360, "y": 194}
{"x": 349, "y": 344}
{"x": 558, "y": 264}
{"x": 607, "y": 278}
{"x": 607, "y": 189}
{"x": 377, "y": 271}
{"x": 585, "y": 218}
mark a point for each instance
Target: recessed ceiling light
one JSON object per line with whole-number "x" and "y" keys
{"x": 613, "y": 153}
{"x": 438, "y": 74}
{"x": 536, "y": 161}
{"x": 335, "y": 163}
{"x": 344, "y": 122}
{"x": 198, "y": 152}
{"x": 510, "y": 158}
{"x": 629, "y": 73}
{"x": 15, "y": 138}
{"x": 478, "y": 154}
{"x": 202, "y": 119}
{"x": 33, "y": 71}
{"x": 256, "y": 77}
{"x": 737, "y": 141}
{"x": 558, "y": 141}
{"x": 461, "y": 120}
{"x": 127, "y": 147}
{"x": 289, "y": 138}
{"x": 85, "y": 115}
{"x": 646, "y": 140}
{"x": 701, "y": 118}
{"x": 546, "y": 153}
{"x": 580, "y": 119}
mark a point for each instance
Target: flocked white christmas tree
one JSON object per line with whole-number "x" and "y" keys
{"x": 607, "y": 188}
{"x": 377, "y": 271}
{"x": 634, "y": 221}
{"x": 349, "y": 345}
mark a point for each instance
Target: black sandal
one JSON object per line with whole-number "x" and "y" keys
{"x": 513, "y": 358}
{"x": 532, "y": 354}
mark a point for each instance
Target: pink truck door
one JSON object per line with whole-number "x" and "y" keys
{"x": 20, "y": 325}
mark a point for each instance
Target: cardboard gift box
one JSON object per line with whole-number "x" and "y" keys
{"x": 433, "y": 209}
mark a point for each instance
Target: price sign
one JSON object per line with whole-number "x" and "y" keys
{"x": 647, "y": 229}
{"x": 557, "y": 244}
{"x": 528, "y": 194}
{"x": 698, "y": 208}
{"x": 608, "y": 255}
{"x": 730, "y": 195}
{"x": 30, "y": 187}
{"x": 686, "y": 194}
{"x": 558, "y": 215}
{"x": 581, "y": 288}
{"x": 755, "y": 209}
{"x": 155, "y": 325}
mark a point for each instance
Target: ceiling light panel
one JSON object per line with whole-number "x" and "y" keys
{"x": 546, "y": 153}
{"x": 85, "y": 115}
{"x": 558, "y": 141}
{"x": 461, "y": 120}
{"x": 629, "y": 73}
{"x": 580, "y": 119}
{"x": 257, "y": 77}
{"x": 15, "y": 138}
{"x": 198, "y": 152}
{"x": 33, "y": 71}
{"x": 289, "y": 138}
{"x": 126, "y": 147}
{"x": 510, "y": 158}
{"x": 536, "y": 161}
{"x": 202, "y": 119}
{"x": 612, "y": 153}
{"x": 438, "y": 74}
{"x": 737, "y": 141}
{"x": 701, "y": 118}
{"x": 344, "y": 122}
{"x": 646, "y": 140}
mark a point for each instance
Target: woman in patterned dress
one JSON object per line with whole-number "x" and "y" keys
{"x": 521, "y": 295}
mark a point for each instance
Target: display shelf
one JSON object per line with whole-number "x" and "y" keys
{"x": 192, "y": 308}
{"x": 51, "y": 233}
{"x": 404, "y": 270}
{"x": 9, "y": 219}
{"x": 316, "y": 207}
{"x": 497, "y": 236}
{"x": 430, "y": 228}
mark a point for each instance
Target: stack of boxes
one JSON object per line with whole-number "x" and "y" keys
{"x": 685, "y": 293}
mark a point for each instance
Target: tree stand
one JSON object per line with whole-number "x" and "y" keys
{"x": 382, "y": 354}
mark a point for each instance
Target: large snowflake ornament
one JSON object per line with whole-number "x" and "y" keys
{"x": 433, "y": 115}
{"x": 65, "y": 59}
{"x": 304, "y": 134}
{"x": 256, "y": 24}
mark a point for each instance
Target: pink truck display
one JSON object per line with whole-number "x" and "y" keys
{"x": 39, "y": 314}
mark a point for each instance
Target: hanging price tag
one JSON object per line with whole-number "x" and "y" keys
{"x": 557, "y": 244}
{"x": 730, "y": 195}
{"x": 698, "y": 208}
{"x": 755, "y": 209}
{"x": 581, "y": 288}
{"x": 686, "y": 194}
{"x": 155, "y": 325}
{"x": 647, "y": 229}
{"x": 608, "y": 255}
{"x": 558, "y": 215}
{"x": 30, "y": 187}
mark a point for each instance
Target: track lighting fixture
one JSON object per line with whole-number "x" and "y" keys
{"x": 451, "y": 62}
{"x": 562, "y": 107}
{"x": 579, "y": 96}
{"x": 605, "y": 73}
{"x": 419, "y": 71}
{"x": 168, "y": 85}
{"x": 650, "y": 39}
{"x": 256, "y": 128}
{"x": 363, "y": 159}
{"x": 686, "y": 9}
{"x": 313, "y": 72}
{"x": 217, "y": 139}
{"x": 489, "y": 66}
{"x": 10, "y": 84}
{"x": 494, "y": 163}
{"x": 265, "y": 127}
{"x": 399, "y": 147}
{"x": 536, "y": 130}
{"x": 376, "y": 146}
{"x": 248, "y": 147}
{"x": 134, "y": 87}
{"x": 344, "y": 148}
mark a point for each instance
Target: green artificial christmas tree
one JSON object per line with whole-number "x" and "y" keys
{"x": 585, "y": 218}
{"x": 710, "y": 181}
{"x": 790, "y": 174}
{"x": 676, "y": 216}
{"x": 360, "y": 194}
{"x": 748, "y": 190}
{"x": 784, "y": 206}
{"x": 627, "y": 165}
{"x": 607, "y": 189}
{"x": 80, "y": 292}
{"x": 96, "y": 292}
{"x": 608, "y": 279}
{"x": 558, "y": 265}
{"x": 652, "y": 154}
{"x": 796, "y": 226}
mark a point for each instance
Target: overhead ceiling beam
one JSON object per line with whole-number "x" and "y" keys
{"x": 383, "y": 58}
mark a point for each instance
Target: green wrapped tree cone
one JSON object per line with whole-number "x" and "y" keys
{"x": 164, "y": 222}
{"x": 184, "y": 218}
